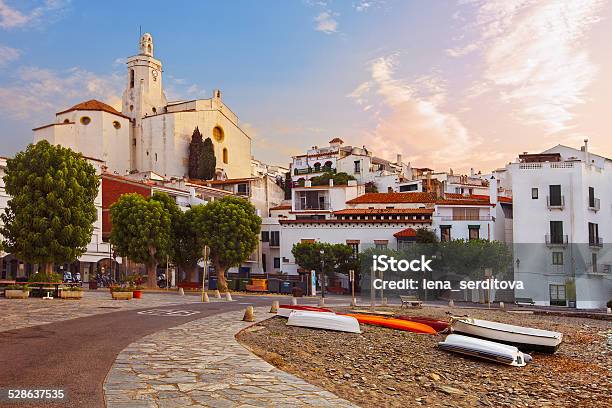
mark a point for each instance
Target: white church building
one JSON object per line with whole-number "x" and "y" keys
{"x": 150, "y": 133}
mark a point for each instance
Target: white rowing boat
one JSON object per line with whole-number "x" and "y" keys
{"x": 489, "y": 350}
{"x": 525, "y": 338}
{"x": 323, "y": 320}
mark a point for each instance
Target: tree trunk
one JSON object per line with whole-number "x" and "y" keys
{"x": 221, "y": 281}
{"x": 191, "y": 273}
{"x": 47, "y": 268}
{"x": 152, "y": 275}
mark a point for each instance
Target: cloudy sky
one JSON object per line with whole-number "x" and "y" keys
{"x": 459, "y": 84}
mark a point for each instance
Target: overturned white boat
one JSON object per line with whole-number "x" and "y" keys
{"x": 489, "y": 350}
{"x": 285, "y": 310}
{"x": 525, "y": 338}
{"x": 323, "y": 320}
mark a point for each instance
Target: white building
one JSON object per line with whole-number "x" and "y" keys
{"x": 150, "y": 133}
{"x": 562, "y": 226}
{"x": 355, "y": 161}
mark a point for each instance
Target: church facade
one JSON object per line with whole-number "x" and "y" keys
{"x": 150, "y": 133}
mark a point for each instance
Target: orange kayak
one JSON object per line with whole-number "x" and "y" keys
{"x": 393, "y": 323}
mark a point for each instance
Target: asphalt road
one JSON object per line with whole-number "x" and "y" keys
{"x": 75, "y": 355}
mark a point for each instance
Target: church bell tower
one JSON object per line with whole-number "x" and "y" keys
{"x": 143, "y": 96}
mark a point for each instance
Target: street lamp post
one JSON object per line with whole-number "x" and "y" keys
{"x": 205, "y": 253}
{"x": 322, "y": 252}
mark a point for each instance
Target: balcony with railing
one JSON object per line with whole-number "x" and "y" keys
{"x": 598, "y": 269}
{"x": 594, "y": 205}
{"x": 556, "y": 240}
{"x": 555, "y": 202}
{"x": 596, "y": 242}
{"x": 313, "y": 170}
{"x": 302, "y": 206}
{"x": 466, "y": 218}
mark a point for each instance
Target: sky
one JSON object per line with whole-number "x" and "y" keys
{"x": 448, "y": 84}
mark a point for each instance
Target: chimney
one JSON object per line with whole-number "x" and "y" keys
{"x": 471, "y": 171}
{"x": 587, "y": 157}
{"x": 399, "y": 159}
{"x": 493, "y": 190}
{"x": 331, "y": 182}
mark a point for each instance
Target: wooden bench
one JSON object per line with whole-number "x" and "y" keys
{"x": 257, "y": 285}
{"x": 524, "y": 301}
{"x": 412, "y": 301}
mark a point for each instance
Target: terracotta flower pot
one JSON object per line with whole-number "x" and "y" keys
{"x": 137, "y": 294}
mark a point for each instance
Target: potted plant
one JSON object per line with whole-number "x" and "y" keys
{"x": 17, "y": 292}
{"x": 121, "y": 293}
{"x": 137, "y": 292}
{"x": 71, "y": 292}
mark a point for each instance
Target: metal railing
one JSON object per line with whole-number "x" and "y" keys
{"x": 597, "y": 242}
{"x": 595, "y": 205}
{"x": 310, "y": 170}
{"x": 556, "y": 204}
{"x": 466, "y": 218}
{"x": 556, "y": 240}
{"x": 306, "y": 207}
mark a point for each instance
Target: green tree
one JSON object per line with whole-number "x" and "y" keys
{"x": 230, "y": 227}
{"x": 207, "y": 165}
{"x": 49, "y": 218}
{"x": 425, "y": 236}
{"x": 142, "y": 231}
{"x": 195, "y": 153}
{"x": 339, "y": 179}
{"x": 187, "y": 245}
{"x": 336, "y": 258}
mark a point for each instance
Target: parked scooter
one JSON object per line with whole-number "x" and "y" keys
{"x": 161, "y": 280}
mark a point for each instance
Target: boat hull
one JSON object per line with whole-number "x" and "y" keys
{"x": 285, "y": 310}
{"x": 524, "y": 338}
{"x": 323, "y": 320}
{"x": 485, "y": 349}
{"x": 392, "y": 323}
{"x": 437, "y": 325}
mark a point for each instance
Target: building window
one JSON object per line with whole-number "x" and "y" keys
{"x": 357, "y": 167}
{"x": 354, "y": 248}
{"x": 131, "y": 108}
{"x": 242, "y": 189}
{"x": 134, "y": 142}
{"x": 591, "y": 197}
{"x": 557, "y": 295}
{"x": 381, "y": 246}
{"x": 264, "y": 263}
{"x": 556, "y": 232}
{"x": 593, "y": 234}
{"x": 131, "y": 78}
{"x": 218, "y": 134}
{"x": 66, "y": 121}
{"x": 534, "y": 193}
{"x": 445, "y": 233}
{"x": 404, "y": 244}
{"x": 265, "y": 236}
{"x": 317, "y": 167}
{"x": 154, "y": 110}
{"x": 225, "y": 159}
{"x": 474, "y": 232}
{"x": 557, "y": 258}
{"x": 276, "y": 263}
{"x": 275, "y": 238}
{"x": 555, "y": 195}
{"x": 116, "y": 124}
{"x": 85, "y": 120}
{"x": 594, "y": 262}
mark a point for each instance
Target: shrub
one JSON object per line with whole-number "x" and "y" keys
{"x": 297, "y": 292}
{"x": 25, "y": 288}
{"x": 609, "y": 304}
{"x": 73, "y": 289}
{"x": 45, "y": 277}
{"x": 121, "y": 289}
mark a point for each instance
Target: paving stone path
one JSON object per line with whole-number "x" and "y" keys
{"x": 200, "y": 364}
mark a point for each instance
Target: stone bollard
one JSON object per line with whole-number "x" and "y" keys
{"x": 181, "y": 292}
{"x": 228, "y": 296}
{"x": 451, "y": 303}
{"x": 293, "y": 301}
{"x": 354, "y": 302}
{"x": 274, "y": 307}
{"x": 205, "y": 297}
{"x": 502, "y": 305}
{"x": 609, "y": 310}
{"x": 217, "y": 294}
{"x": 248, "y": 314}
{"x": 321, "y": 302}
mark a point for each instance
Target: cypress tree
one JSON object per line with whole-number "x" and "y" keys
{"x": 208, "y": 163}
{"x": 195, "y": 153}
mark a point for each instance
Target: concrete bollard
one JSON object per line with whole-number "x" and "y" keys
{"x": 354, "y": 302}
{"x": 205, "y": 297}
{"x": 248, "y": 314}
{"x": 274, "y": 307}
{"x": 217, "y": 294}
{"x": 293, "y": 301}
{"x": 181, "y": 292}
{"x": 228, "y": 296}
{"x": 451, "y": 303}
{"x": 321, "y": 302}
{"x": 609, "y": 310}
{"x": 502, "y": 305}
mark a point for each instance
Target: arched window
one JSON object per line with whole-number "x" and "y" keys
{"x": 131, "y": 78}
{"x": 66, "y": 120}
{"x": 218, "y": 134}
{"x": 327, "y": 166}
{"x": 149, "y": 48}
{"x": 317, "y": 166}
{"x": 85, "y": 120}
{"x": 225, "y": 159}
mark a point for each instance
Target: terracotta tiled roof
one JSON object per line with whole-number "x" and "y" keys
{"x": 476, "y": 197}
{"x": 405, "y": 233}
{"x": 94, "y": 105}
{"x": 388, "y": 198}
{"x": 328, "y": 221}
{"x": 281, "y": 207}
{"x": 368, "y": 211}
{"x": 336, "y": 140}
{"x": 228, "y": 181}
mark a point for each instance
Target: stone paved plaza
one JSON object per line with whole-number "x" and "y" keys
{"x": 200, "y": 364}
{"x": 20, "y": 313}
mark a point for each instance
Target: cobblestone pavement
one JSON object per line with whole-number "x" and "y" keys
{"x": 20, "y": 313}
{"x": 200, "y": 364}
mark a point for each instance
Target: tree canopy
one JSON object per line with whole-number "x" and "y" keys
{"x": 196, "y": 147}
{"x": 337, "y": 258}
{"x": 49, "y": 218}
{"x": 142, "y": 231}
{"x": 339, "y": 178}
{"x": 207, "y": 164}
{"x": 230, "y": 227}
